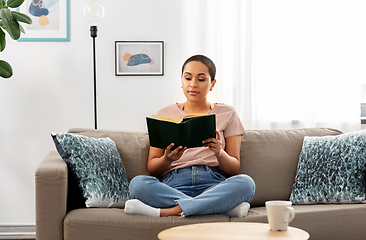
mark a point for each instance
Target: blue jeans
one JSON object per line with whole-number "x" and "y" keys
{"x": 198, "y": 190}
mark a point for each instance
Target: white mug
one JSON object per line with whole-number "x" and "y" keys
{"x": 279, "y": 214}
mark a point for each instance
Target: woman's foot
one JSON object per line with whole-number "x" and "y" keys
{"x": 174, "y": 211}
{"x": 240, "y": 211}
{"x": 136, "y": 207}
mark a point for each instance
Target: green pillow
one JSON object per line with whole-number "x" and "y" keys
{"x": 97, "y": 166}
{"x": 331, "y": 169}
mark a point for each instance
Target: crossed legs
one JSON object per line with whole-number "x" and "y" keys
{"x": 153, "y": 198}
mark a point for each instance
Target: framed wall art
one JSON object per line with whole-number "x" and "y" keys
{"x": 139, "y": 58}
{"x": 51, "y": 20}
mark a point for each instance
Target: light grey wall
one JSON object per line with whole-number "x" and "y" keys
{"x": 52, "y": 90}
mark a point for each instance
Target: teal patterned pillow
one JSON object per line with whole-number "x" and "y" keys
{"x": 97, "y": 166}
{"x": 331, "y": 169}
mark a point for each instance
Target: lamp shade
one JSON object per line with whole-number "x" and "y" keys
{"x": 94, "y": 12}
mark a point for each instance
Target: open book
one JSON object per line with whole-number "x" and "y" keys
{"x": 189, "y": 131}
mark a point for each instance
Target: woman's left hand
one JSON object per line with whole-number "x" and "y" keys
{"x": 214, "y": 144}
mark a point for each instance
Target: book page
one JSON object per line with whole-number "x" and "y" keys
{"x": 177, "y": 120}
{"x": 166, "y": 118}
{"x": 192, "y": 115}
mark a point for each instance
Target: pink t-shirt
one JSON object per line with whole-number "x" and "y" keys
{"x": 227, "y": 123}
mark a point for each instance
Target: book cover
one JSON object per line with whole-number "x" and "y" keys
{"x": 189, "y": 131}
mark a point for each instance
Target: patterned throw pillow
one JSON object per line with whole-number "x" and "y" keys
{"x": 331, "y": 169}
{"x": 97, "y": 166}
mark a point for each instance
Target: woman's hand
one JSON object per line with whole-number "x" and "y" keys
{"x": 214, "y": 144}
{"x": 175, "y": 154}
{"x": 229, "y": 159}
{"x": 160, "y": 159}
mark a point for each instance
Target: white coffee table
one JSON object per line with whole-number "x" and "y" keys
{"x": 231, "y": 231}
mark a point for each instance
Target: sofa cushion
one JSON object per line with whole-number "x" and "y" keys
{"x": 331, "y": 169}
{"x": 133, "y": 147}
{"x": 112, "y": 224}
{"x": 97, "y": 166}
{"x": 322, "y": 221}
{"x": 270, "y": 157}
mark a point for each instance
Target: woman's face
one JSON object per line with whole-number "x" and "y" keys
{"x": 196, "y": 81}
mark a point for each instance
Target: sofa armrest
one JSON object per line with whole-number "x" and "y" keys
{"x": 51, "y": 197}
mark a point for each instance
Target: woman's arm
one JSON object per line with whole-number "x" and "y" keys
{"x": 229, "y": 159}
{"x": 160, "y": 159}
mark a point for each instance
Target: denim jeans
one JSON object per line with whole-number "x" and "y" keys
{"x": 198, "y": 190}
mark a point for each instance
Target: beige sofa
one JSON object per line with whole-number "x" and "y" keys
{"x": 270, "y": 157}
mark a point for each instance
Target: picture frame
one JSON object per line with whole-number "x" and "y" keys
{"x": 139, "y": 58}
{"x": 51, "y": 20}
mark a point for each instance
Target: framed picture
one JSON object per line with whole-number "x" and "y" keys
{"x": 51, "y": 20}
{"x": 139, "y": 58}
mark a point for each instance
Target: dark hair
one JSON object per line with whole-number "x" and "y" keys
{"x": 205, "y": 60}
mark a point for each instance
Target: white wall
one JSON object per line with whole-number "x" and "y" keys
{"x": 52, "y": 90}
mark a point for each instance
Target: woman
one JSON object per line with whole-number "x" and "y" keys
{"x": 194, "y": 181}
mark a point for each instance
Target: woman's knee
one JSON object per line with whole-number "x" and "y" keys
{"x": 246, "y": 183}
{"x": 139, "y": 183}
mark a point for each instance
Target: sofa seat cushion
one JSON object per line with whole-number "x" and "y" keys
{"x": 270, "y": 157}
{"x": 322, "y": 221}
{"x": 114, "y": 224}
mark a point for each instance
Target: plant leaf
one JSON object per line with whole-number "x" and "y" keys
{"x": 21, "y": 29}
{"x": 2, "y": 40}
{"x": 12, "y": 27}
{"x": 14, "y": 3}
{"x": 2, "y": 3}
{"x": 5, "y": 14}
{"x": 21, "y": 17}
{"x": 5, "y": 69}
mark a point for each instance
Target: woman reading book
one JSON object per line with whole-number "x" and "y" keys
{"x": 202, "y": 180}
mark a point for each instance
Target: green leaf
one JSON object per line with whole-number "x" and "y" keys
{"x": 21, "y": 17}
{"x": 2, "y": 40}
{"x": 14, "y": 3}
{"x": 2, "y": 3}
{"x": 5, "y": 69}
{"x": 21, "y": 29}
{"x": 5, "y": 14}
{"x": 12, "y": 27}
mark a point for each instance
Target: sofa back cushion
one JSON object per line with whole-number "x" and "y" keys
{"x": 270, "y": 157}
{"x": 133, "y": 147}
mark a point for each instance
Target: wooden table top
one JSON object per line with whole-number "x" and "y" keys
{"x": 231, "y": 231}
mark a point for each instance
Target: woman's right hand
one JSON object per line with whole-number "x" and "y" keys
{"x": 160, "y": 159}
{"x": 175, "y": 154}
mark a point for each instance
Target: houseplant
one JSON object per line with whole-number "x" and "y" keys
{"x": 9, "y": 21}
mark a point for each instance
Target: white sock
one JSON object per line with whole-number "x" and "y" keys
{"x": 239, "y": 211}
{"x": 136, "y": 207}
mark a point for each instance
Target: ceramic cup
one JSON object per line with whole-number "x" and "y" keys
{"x": 279, "y": 214}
